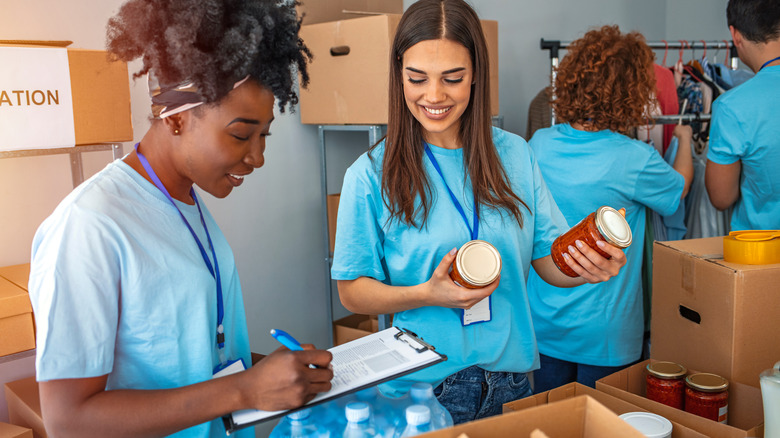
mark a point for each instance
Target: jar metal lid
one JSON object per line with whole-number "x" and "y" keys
{"x": 649, "y": 424}
{"x": 479, "y": 262}
{"x": 666, "y": 370}
{"x": 613, "y": 226}
{"x": 707, "y": 382}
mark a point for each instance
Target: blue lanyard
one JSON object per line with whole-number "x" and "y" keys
{"x": 473, "y": 230}
{"x": 768, "y": 62}
{"x": 213, "y": 270}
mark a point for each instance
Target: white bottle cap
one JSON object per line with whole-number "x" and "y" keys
{"x": 300, "y": 415}
{"x": 417, "y": 415}
{"x": 651, "y": 425}
{"x": 421, "y": 391}
{"x": 357, "y": 412}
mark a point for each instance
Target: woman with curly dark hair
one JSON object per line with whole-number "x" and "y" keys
{"x": 603, "y": 91}
{"x": 136, "y": 295}
{"x": 441, "y": 177}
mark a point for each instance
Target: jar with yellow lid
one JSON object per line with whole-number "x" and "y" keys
{"x": 666, "y": 383}
{"x": 605, "y": 224}
{"x": 707, "y": 395}
{"x": 476, "y": 265}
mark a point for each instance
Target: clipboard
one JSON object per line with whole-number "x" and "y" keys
{"x": 359, "y": 364}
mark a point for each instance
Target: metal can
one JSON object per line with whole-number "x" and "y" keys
{"x": 476, "y": 265}
{"x": 666, "y": 383}
{"x": 605, "y": 224}
{"x": 707, "y": 395}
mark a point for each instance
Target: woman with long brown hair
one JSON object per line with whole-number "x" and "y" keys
{"x": 441, "y": 177}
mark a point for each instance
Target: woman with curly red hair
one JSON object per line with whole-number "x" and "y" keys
{"x": 604, "y": 88}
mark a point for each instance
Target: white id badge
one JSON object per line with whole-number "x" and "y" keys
{"x": 232, "y": 367}
{"x": 479, "y": 312}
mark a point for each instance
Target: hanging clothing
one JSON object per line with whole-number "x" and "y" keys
{"x": 666, "y": 93}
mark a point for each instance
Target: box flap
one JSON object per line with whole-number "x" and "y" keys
{"x": 17, "y": 274}
{"x": 319, "y": 11}
{"x": 36, "y": 43}
{"x": 13, "y": 299}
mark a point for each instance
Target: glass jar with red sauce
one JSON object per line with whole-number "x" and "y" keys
{"x": 707, "y": 395}
{"x": 476, "y": 265}
{"x": 605, "y": 224}
{"x": 666, "y": 383}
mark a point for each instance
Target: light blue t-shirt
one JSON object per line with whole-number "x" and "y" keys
{"x": 745, "y": 127}
{"x": 119, "y": 287}
{"x": 599, "y": 324}
{"x": 399, "y": 255}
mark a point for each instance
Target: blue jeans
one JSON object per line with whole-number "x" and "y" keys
{"x": 474, "y": 393}
{"x": 556, "y": 372}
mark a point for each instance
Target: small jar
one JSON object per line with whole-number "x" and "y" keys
{"x": 666, "y": 383}
{"x": 476, "y": 265}
{"x": 605, "y": 224}
{"x": 707, "y": 395}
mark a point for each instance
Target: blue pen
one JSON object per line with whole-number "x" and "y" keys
{"x": 285, "y": 339}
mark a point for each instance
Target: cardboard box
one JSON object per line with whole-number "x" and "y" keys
{"x": 24, "y": 405}
{"x": 352, "y": 88}
{"x": 101, "y": 95}
{"x": 17, "y": 274}
{"x": 712, "y": 315}
{"x": 319, "y": 11}
{"x": 17, "y": 328}
{"x": 580, "y": 416}
{"x": 353, "y": 327}
{"x": 612, "y": 403}
{"x": 14, "y": 431}
{"x": 745, "y": 415}
{"x": 333, "y": 210}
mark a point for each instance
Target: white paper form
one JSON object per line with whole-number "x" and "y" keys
{"x": 364, "y": 362}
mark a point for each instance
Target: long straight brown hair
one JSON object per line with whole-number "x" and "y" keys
{"x": 403, "y": 174}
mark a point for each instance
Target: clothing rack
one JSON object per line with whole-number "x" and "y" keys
{"x": 673, "y": 119}
{"x": 554, "y": 46}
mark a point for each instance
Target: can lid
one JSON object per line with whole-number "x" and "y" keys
{"x": 478, "y": 262}
{"x": 300, "y": 415}
{"x": 707, "y": 382}
{"x": 613, "y": 226}
{"x": 649, "y": 424}
{"x": 666, "y": 370}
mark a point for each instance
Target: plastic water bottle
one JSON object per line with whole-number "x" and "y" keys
{"x": 418, "y": 421}
{"x": 359, "y": 423}
{"x": 299, "y": 424}
{"x": 422, "y": 393}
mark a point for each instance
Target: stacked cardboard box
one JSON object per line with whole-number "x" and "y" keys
{"x": 353, "y": 327}
{"x": 710, "y": 316}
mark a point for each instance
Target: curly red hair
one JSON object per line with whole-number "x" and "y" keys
{"x": 606, "y": 81}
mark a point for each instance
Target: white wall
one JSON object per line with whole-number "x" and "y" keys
{"x": 274, "y": 220}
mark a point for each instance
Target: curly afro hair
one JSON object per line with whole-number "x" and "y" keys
{"x": 214, "y": 43}
{"x": 606, "y": 81}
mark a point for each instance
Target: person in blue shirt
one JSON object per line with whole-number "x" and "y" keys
{"x": 604, "y": 86}
{"x": 135, "y": 292}
{"x": 440, "y": 178}
{"x": 743, "y": 160}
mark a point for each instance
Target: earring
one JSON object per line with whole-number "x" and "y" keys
{"x": 175, "y": 132}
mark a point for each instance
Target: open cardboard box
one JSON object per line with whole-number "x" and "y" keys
{"x": 101, "y": 93}
{"x": 17, "y": 327}
{"x": 712, "y": 315}
{"x": 745, "y": 415}
{"x": 353, "y": 327}
{"x": 576, "y": 417}
{"x": 24, "y": 405}
{"x": 612, "y": 403}
{"x": 350, "y": 70}
{"x": 14, "y": 431}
